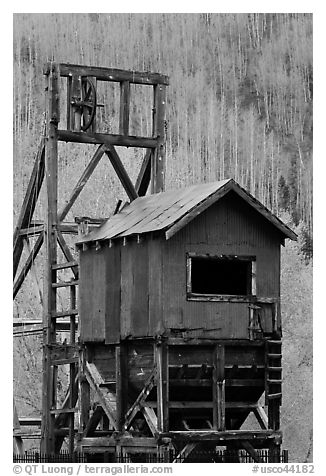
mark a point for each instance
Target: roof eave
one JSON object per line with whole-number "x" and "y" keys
{"x": 252, "y": 201}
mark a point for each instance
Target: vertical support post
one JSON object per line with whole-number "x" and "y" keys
{"x": 274, "y": 414}
{"x": 158, "y": 157}
{"x": 121, "y": 384}
{"x": 219, "y": 388}
{"x": 162, "y": 363}
{"x": 124, "y": 108}
{"x": 50, "y": 298}
{"x": 72, "y": 372}
{"x": 84, "y": 394}
{"x": 274, "y": 454}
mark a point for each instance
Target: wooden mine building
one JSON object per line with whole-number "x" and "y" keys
{"x": 178, "y": 309}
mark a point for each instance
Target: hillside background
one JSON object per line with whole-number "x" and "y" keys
{"x": 239, "y": 105}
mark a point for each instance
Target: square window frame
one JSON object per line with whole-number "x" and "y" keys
{"x": 191, "y": 296}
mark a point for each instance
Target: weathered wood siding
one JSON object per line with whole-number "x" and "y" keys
{"x": 141, "y": 282}
{"x": 229, "y": 227}
{"x": 92, "y": 294}
{"x": 139, "y": 289}
{"x": 99, "y": 293}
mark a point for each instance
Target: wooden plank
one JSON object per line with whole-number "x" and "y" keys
{"x": 36, "y": 326}
{"x": 151, "y": 419}
{"x": 31, "y": 231}
{"x": 93, "y": 422}
{"x": 84, "y": 402}
{"x": 64, "y": 353}
{"x": 28, "y": 264}
{"x": 29, "y": 203}
{"x": 107, "y": 139}
{"x": 210, "y": 435}
{"x": 68, "y": 264}
{"x": 62, "y": 419}
{"x": 183, "y": 404}
{"x": 121, "y": 172}
{"x": 121, "y": 385}
{"x": 68, "y": 312}
{"x": 144, "y": 175}
{"x": 124, "y": 108}
{"x": 106, "y": 399}
{"x": 49, "y": 275}
{"x": 113, "y": 294}
{"x": 65, "y": 284}
{"x": 184, "y": 453}
{"x": 261, "y": 417}
{"x": 30, "y": 421}
{"x": 219, "y": 388}
{"x": 109, "y": 74}
{"x": 205, "y": 404}
{"x": 62, "y": 411}
{"x": 82, "y": 182}
{"x": 140, "y": 400}
{"x": 162, "y": 364}
{"x": 158, "y": 158}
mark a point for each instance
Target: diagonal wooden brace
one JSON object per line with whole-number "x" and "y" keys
{"x": 95, "y": 380}
{"x": 251, "y": 451}
{"x": 121, "y": 172}
{"x": 140, "y": 400}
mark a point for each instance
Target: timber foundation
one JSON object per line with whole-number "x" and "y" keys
{"x": 177, "y": 389}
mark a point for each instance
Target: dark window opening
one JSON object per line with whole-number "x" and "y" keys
{"x": 220, "y": 276}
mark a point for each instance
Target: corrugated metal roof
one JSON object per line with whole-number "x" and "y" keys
{"x": 172, "y": 210}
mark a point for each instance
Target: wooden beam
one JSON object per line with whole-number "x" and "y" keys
{"x": 124, "y": 108}
{"x": 204, "y": 404}
{"x": 251, "y": 451}
{"x": 35, "y": 326}
{"x": 18, "y": 442}
{"x": 107, "y": 139}
{"x": 261, "y": 417}
{"x": 121, "y": 374}
{"x": 229, "y": 435}
{"x": 158, "y": 158}
{"x": 140, "y": 400}
{"x": 64, "y": 353}
{"x": 121, "y": 172}
{"x": 151, "y": 419}
{"x": 29, "y": 203}
{"x": 95, "y": 380}
{"x": 82, "y": 182}
{"x": 109, "y": 74}
{"x": 144, "y": 176}
{"x": 62, "y": 419}
{"x": 219, "y": 388}
{"x": 93, "y": 421}
{"x": 184, "y": 453}
{"x": 49, "y": 275}
{"x": 28, "y": 264}
{"x": 31, "y": 231}
{"x": 162, "y": 363}
{"x": 30, "y": 421}
{"x": 67, "y": 253}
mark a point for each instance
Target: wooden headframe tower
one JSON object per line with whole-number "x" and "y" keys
{"x": 151, "y": 383}
{"x": 81, "y": 86}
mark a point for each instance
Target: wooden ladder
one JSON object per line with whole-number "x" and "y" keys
{"x": 66, "y": 414}
{"x": 273, "y": 371}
